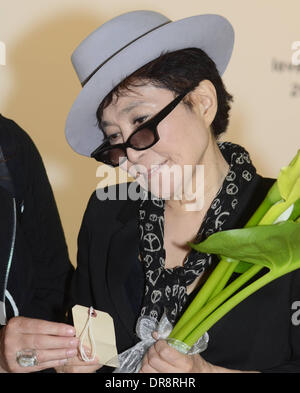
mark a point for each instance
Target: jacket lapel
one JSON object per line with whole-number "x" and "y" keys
{"x": 122, "y": 254}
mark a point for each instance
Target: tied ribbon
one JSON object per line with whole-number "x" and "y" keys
{"x": 131, "y": 359}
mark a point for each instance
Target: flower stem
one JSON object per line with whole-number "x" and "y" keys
{"x": 202, "y": 295}
{"x": 216, "y": 302}
{"x": 273, "y": 196}
{"x": 226, "y": 307}
{"x": 222, "y": 283}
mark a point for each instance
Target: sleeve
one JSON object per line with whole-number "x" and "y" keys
{"x": 292, "y": 365}
{"x": 42, "y": 229}
{"x": 81, "y": 287}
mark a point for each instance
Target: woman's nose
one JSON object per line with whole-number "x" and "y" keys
{"x": 134, "y": 156}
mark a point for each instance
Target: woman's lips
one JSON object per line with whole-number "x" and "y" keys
{"x": 147, "y": 174}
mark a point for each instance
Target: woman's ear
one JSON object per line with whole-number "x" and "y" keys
{"x": 204, "y": 97}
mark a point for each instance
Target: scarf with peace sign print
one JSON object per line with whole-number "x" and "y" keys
{"x": 166, "y": 289}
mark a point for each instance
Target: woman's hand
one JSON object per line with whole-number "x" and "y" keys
{"x": 53, "y": 342}
{"x": 162, "y": 358}
{"x": 77, "y": 365}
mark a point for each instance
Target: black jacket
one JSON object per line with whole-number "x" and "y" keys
{"x": 35, "y": 270}
{"x": 256, "y": 335}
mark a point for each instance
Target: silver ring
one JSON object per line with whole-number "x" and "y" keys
{"x": 27, "y": 358}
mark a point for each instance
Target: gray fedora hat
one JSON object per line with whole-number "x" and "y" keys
{"x": 124, "y": 44}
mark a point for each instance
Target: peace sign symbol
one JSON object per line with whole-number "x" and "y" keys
{"x": 231, "y": 189}
{"x": 231, "y": 176}
{"x": 219, "y": 222}
{"x": 215, "y": 203}
{"x": 247, "y": 175}
{"x": 148, "y": 259}
{"x": 155, "y": 296}
{"x": 240, "y": 159}
{"x": 152, "y": 241}
{"x": 167, "y": 292}
{"x": 234, "y": 203}
{"x": 158, "y": 202}
{"x": 148, "y": 226}
{"x": 161, "y": 222}
{"x": 153, "y": 314}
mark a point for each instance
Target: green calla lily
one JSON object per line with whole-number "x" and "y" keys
{"x": 288, "y": 183}
{"x": 288, "y": 176}
{"x": 274, "y": 246}
{"x": 282, "y": 206}
{"x": 293, "y": 212}
{"x": 270, "y": 239}
{"x": 296, "y": 211}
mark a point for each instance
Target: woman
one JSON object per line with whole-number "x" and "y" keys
{"x": 153, "y": 99}
{"x": 35, "y": 270}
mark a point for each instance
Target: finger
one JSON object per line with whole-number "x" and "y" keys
{"x": 159, "y": 364}
{"x": 76, "y": 362}
{"x": 50, "y": 364}
{"x": 42, "y": 366}
{"x": 88, "y": 354}
{"x": 81, "y": 369}
{"x": 39, "y": 341}
{"x": 168, "y": 353}
{"x": 44, "y": 356}
{"x": 37, "y": 326}
{"x": 82, "y": 363}
{"x": 148, "y": 369}
{"x": 155, "y": 335}
{"x": 145, "y": 366}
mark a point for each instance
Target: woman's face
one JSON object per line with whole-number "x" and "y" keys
{"x": 184, "y": 135}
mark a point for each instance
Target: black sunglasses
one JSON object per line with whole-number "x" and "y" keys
{"x": 142, "y": 138}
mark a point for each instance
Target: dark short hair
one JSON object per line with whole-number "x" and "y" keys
{"x": 178, "y": 71}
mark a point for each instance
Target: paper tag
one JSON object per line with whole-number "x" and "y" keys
{"x": 103, "y": 331}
